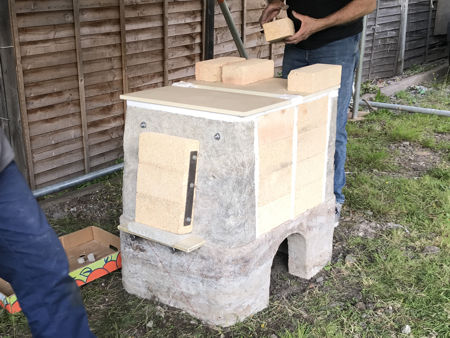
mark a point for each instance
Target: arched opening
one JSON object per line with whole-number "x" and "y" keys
{"x": 287, "y": 261}
{"x": 279, "y": 271}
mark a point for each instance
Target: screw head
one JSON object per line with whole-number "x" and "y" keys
{"x": 194, "y": 157}
{"x": 188, "y": 219}
{"x": 217, "y": 136}
{"x": 143, "y": 124}
{"x": 191, "y": 185}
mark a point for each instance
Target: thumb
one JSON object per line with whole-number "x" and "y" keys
{"x": 298, "y": 15}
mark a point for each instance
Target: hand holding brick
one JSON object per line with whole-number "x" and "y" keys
{"x": 278, "y": 30}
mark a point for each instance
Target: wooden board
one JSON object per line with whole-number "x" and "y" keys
{"x": 235, "y": 104}
{"x": 186, "y": 243}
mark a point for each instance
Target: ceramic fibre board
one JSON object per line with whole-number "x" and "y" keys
{"x": 221, "y": 102}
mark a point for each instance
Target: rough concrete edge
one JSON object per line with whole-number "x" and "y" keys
{"x": 415, "y": 80}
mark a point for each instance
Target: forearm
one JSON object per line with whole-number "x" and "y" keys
{"x": 354, "y": 10}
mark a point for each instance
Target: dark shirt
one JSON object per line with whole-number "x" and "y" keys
{"x": 319, "y": 9}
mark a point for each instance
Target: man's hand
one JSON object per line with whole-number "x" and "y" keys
{"x": 354, "y": 10}
{"x": 309, "y": 27}
{"x": 270, "y": 12}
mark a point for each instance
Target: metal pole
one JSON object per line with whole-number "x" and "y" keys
{"x": 208, "y": 31}
{"x": 231, "y": 26}
{"x": 407, "y": 108}
{"x": 76, "y": 181}
{"x": 359, "y": 71}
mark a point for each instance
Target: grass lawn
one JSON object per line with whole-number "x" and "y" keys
{"x": 391, "y": 260}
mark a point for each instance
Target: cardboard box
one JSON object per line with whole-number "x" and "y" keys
{"x": 102, "y": 244}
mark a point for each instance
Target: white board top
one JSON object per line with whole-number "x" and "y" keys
{"x": 208, "y": 100}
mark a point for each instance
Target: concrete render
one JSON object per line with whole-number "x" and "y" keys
{"x": 225, "y": 188}
{"x": 221, "y": 285}
{"x": 228, "y": 278}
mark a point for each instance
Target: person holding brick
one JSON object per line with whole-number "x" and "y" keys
{"x": 326, "y": 31}
{"x": 33, "y": 260}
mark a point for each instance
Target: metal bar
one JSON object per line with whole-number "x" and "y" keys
{"x": 232, "y": 27}
{"x": 244, "y": 22}
{"x": 406, "y": 108}
{"x": 359, "y": 71}
{"x": 208, "y": 44}
{"x": 76, "y": 181}
{"x": 190, "y": 188}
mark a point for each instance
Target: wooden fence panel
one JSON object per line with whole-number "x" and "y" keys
{"x": 75, "y": 58}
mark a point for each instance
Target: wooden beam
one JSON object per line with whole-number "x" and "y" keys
{"x": 9, "y": 94}
{"x": 166, "y": 41}
{"x": 400, "y": 63}
{"x": 21, "y": 91}
{"x": 84, "y": 129}
{"x": 123, "y": 46}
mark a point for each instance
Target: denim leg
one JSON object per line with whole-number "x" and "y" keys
{"x": 293, "y": 58}
{"x": 343, "y": 52}
{"x": 34, "y": 262}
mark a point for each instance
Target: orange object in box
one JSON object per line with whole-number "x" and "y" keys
{"x": 105, "y": 247}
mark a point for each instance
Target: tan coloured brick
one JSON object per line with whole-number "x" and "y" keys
{"x": 273, "y": 214}
{"x": 276, "y": 126}
{"x": 211, "y": 70}
{"x": 313, "y": 114}
{"x": 278, "y": 30}
{"x": 274, "y": 186}
{"x": 166, "y": 151}
{"x": 248, "y": 71}
{"x": 311, "y": 142}
{"x": 162, "y": 183}
{"x": 162, "y": 180}
{"x": 161, "y": 214}
{"x": 308, "y": 196}
{"x": 275, "y": 156}
{"x": 314, "y": 78}
{"x": 309, "y": 170}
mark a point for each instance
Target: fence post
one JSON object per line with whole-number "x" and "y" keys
{"x": 402, "y": 36}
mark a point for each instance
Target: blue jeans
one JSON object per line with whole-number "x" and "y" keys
{"x": 33, "y": 261}
{"x": 343, "y": 52}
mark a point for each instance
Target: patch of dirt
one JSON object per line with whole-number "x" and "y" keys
{"x": 413, "y": 160}
{"x": 100, "y": 203}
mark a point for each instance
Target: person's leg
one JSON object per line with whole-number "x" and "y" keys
{"x": 33, "y": 261}
{"x": 293, "y": 58}
{"x": 343, "y": 52}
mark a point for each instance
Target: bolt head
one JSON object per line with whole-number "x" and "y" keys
{"x": 143, "y": 124}
{"x": 217, "y": 136}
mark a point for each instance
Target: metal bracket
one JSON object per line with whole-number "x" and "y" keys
{"x": 190, "y": 188}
